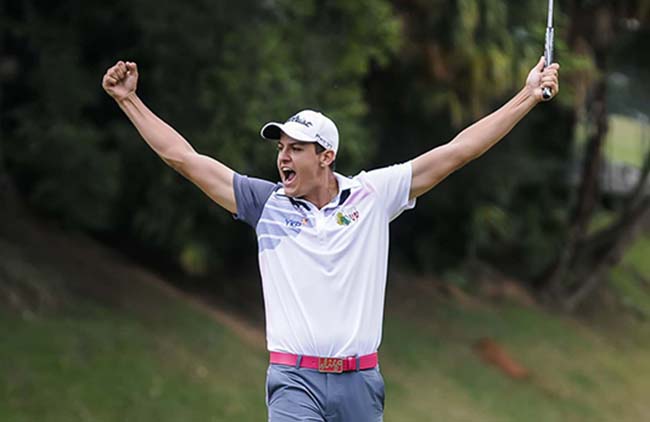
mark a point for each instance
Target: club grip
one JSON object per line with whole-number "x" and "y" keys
{"x": 548, "y": 59}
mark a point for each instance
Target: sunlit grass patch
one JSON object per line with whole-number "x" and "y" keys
{"x": 631, "y": 277}
{"x": 627, "y": 140}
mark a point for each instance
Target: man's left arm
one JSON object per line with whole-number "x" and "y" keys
{"x": 432, "y": 167}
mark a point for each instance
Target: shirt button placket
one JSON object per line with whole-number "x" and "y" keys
{"x": 320, "y": 226}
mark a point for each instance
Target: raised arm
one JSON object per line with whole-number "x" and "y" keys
{"x": 212, "y": 177}
{"x": 432, "y": 167}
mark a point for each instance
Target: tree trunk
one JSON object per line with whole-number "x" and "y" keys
{"x": 8, "y": 72}
{"x": 583, "y": 263}
{"x": 607, "y": 235}
{"x": 604, "y": 249}
{"x": 587, "y": 195}
{"x": 591, "y": 30}
{"x": 605, "y": 260}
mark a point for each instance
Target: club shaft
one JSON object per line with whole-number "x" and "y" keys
{"x": 548, "y": 46}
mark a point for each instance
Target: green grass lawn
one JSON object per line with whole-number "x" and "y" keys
{"x": 101, "y": 365}
{"x": 631, "y": 278}
{"x": 94, "y": 338}
{"x": 578, "y": 373}
{"x": 145, "y": 355}
{"x": 626, "y": 140}
{"x": 98, "y": 364}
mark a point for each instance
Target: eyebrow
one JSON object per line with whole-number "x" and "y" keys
{"x": 293, "y": 142}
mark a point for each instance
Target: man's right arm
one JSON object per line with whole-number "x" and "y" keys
{"x": 211, "y": 176}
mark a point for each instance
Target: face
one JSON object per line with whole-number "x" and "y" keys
{"x": 301, "y": 169}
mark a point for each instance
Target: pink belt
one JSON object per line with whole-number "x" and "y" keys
{"x": 330, "y": 365}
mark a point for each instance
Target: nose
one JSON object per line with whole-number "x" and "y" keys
{"x": 282, "y": 155}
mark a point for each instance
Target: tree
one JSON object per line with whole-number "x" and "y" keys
{"x": 460, "y": 60}
{"x": 216, "y": 70}
{"x": 582, "y": 262}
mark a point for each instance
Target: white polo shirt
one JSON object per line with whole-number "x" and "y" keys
{"x": 324, "y": 271}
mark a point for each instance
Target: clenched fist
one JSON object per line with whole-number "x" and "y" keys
{"x": 541, "y": 77}
{"x": 121, "y": 80}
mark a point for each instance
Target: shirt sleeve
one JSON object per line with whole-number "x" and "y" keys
{"x": 393, "y": 186}
{"x": 250, "y": 195}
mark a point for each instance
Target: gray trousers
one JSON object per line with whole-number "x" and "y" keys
{"x": 301, "y": 394}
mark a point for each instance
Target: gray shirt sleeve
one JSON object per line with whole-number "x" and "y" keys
{"x": 251, "y": 194}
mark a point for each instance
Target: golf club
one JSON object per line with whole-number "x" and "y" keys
{"x": 548, "y": 47}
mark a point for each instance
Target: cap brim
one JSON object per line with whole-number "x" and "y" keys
{"x": 273, "y": 131}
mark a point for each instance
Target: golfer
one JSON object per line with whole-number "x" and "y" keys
{"x": 322, "y": 241}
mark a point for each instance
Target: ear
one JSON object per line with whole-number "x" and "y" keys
{"x": 326, "y": 158}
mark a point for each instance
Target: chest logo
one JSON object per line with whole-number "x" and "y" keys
{"x": 290, "y": 222}
{"x": 347, "y": 217}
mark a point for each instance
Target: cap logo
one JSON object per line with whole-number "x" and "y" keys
{"x": 324, "y": 142}
{"x": 300, "y": 120}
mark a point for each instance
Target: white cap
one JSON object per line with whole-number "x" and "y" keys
{"x": 305, "y": 126}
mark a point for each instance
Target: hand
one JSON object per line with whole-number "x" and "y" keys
{"x": 540, "y": 77}
{"x": 121, "y": 80}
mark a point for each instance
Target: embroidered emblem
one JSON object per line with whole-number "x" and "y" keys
{"x": 347, "y": 217}
{"x": 300, "y": 120}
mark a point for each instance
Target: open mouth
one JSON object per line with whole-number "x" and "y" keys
{"x": 288, "y": 175}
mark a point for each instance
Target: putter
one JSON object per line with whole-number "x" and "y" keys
{"x": 548, "y": 47}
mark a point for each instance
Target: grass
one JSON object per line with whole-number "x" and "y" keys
{"x": 631, "y": 278}
{"x": 626, "y": 141}
{"x": 88, "y": 337}
{"x": 105, "y": 365}
{"x": 132, "y": 352}
{"x": 579, "y": 374}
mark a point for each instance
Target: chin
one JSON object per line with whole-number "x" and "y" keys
{"x": 292, "y": 192}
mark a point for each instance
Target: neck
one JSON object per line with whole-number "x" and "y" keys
{"x": 325, "y": 192}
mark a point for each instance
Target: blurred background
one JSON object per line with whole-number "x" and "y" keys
{"x": 519, "y": 288}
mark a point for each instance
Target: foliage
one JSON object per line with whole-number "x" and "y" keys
{"x": 602, "y": 30}
{"x": 462, "y": 59}
{"x": 215, "y": 70}
{"x": 399, "y": 77}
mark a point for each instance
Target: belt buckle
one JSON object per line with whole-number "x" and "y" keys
{"x": 330, "y": 365}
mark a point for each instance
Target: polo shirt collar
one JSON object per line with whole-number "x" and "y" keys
{"x": 344, "y": 183}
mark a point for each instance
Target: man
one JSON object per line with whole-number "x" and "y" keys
{"x": 323, "y": 242}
